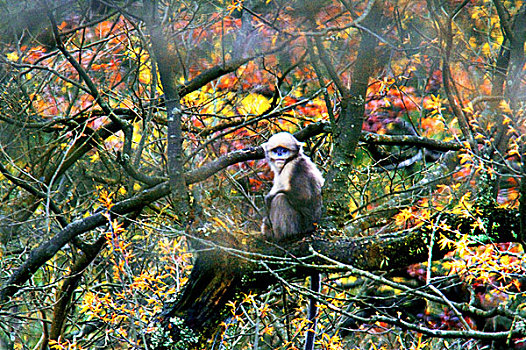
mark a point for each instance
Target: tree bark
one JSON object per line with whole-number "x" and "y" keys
{"x": 165, "y": 57}
{"x": 69, "y": 285}
{"x": 350, "y": 120}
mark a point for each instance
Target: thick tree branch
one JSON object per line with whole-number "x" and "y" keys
{"x": 504, "y": 18}
{"x": 350, "y": 120}
{"x": 410, "y": 140}
{"x": 69, "y": 285}
{"x": 168, "y": 72}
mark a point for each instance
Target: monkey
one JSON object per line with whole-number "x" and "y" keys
{"x": 294, "y": 203}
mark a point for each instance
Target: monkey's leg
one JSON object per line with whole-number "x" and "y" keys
{"x": 313, "y": 309}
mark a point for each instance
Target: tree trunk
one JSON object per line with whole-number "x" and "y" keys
{"x": 165, "y": 58}
{"x": 350, "y": 120}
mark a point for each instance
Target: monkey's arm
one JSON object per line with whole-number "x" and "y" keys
{"x": 281, "y": 185}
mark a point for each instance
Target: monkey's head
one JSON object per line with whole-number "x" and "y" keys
{"x": 280, "y": 149}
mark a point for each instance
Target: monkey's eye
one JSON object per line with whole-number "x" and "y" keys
{"x": 280, "y": 152}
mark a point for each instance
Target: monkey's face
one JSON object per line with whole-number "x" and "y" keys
{"x": 281, "y": 148}
{"x": 280, "y": 155}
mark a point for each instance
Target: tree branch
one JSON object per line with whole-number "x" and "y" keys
{"x": 410, "y": 140}
{"x": 350, "y": 120}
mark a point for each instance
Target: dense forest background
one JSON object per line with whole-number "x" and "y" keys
{"x": 132, "y": 182}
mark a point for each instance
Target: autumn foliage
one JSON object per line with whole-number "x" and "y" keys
{"x": 128, "y": 149}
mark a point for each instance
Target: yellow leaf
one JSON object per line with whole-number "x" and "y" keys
{"x": 221, "y": 223}
{"x": 486, "y": 49}
{"x": 445, "y": 242}
{"x": 12, "y": 56}
{"x": 513, "y": 152}
{"x": 465, "y": 158}
{"x": 402, "y": 217}
{"x": 511, "y": 130}
{"x": 473, "y": 42}
{"x": 94, "y": 157}
{"x": 254, "y": 104}
{"x": 248, "y": 298}
{"x": 145, "y": 75}
{"x": 505, "y": 107}
{"x": 469, "y": 108}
